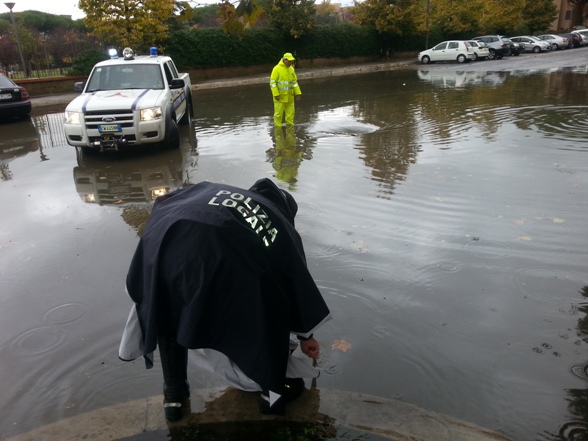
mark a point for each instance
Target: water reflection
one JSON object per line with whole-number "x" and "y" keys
{"x": 23, "y": 140}
{"x": 445, "y": 225}
{"x": 576, "y": 428}
{"x": 217, "y": 421}
{"x": 286, "y": 157}
{"x": 453, "y": 79}
{"x": 133, "y": 180}
{"x": 116, "y": 181}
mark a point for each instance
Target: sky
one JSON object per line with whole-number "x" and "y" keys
{"x": 69, "y": 7}
{"x": 58, "y": 7}
{"x": 65, "y": 7}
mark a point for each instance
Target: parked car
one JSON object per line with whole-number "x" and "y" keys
{"x": 455, "y": 50}
{"x": 480, "y": 49}
{"x": 532, "y": 44}
{"x": 574, "y": 40}
{"x": 497, "y": 45}
{"x": 516, "y": 49}
{"x": 583, "y": 35}
{"x": 14, "y": 100}
{"x": 556, "y": 41}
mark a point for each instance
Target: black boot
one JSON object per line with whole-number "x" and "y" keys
{"x": 176, "y": 389}
{"x": 293, "y": 388}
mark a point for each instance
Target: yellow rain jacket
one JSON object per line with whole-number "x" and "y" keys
{"x": 284, "y": 83}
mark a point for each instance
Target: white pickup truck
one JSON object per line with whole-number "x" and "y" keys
{"x": 133, "y": 101}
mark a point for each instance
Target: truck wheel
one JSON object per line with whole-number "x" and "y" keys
{"x": 188, "y": 113}
{"x": 172, "y": 135}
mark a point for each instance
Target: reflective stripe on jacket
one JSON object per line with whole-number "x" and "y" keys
{"x": 284, "y": 83}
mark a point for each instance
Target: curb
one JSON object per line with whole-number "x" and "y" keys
{"x": 332, "y": 409}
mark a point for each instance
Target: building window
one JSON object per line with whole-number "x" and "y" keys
{"x": 568, "y": 15}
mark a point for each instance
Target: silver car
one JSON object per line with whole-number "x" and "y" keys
{"x": 532, "y": 44}
{"x": 556, "y": 41}
{"x": 583, "y": 33}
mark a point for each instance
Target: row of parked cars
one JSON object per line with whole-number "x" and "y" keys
{"x": 498, "y": 46}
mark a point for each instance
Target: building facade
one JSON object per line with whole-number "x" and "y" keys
{"x": 564, "y": 20}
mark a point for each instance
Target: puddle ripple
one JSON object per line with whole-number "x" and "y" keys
{"x": 39, "y": 340}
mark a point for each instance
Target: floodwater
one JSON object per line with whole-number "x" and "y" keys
{"x": 444, "y": 217}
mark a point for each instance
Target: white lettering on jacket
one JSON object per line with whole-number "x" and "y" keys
{"x": 254, "y": 215}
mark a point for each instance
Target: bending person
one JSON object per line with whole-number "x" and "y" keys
{"x": 222, "y": 270}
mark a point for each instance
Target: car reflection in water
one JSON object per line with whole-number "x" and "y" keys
{"x": 24, "y": 139}
{"x": 132, "y": 181}
{"x": 454, "y": 79}
{"x": 131, "y": 177}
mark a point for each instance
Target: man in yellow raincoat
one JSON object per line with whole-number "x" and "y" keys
{"x": 285, "y": 89}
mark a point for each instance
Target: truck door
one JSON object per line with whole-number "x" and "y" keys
{"x": 178, "y": 96}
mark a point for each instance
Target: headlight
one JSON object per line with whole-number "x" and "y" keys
{"x": 151, "y": 114}
{"x": 89, "y": 198}
{"x": 156, "y": 192}
{"x": 72, "y": 118}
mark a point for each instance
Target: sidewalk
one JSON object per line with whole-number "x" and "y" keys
{"x": 61, "y": 99}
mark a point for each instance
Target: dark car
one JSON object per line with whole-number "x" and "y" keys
{"x": 515, "y": 48}
{"x": 499, "y": 46}
{"x": 570, "y": 39}
{"x": 14, "y": 100}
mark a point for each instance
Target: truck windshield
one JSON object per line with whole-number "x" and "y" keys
{"x": 120, "y": 76}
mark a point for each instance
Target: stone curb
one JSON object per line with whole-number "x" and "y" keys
{"x": 386, "y": 419}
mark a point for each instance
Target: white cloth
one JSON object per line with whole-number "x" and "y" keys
{"x": 299, "y": 365}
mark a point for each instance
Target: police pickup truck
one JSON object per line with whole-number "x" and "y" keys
{"x": 133, "y": 101}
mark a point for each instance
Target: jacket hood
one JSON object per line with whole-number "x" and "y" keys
{"x": 283, "y": 200}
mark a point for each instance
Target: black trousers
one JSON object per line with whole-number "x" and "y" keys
{"x": 174, "y": 363}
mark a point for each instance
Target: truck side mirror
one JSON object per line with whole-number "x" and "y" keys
{"x": 79, "y": 86}
{"x": 177, "y": 83}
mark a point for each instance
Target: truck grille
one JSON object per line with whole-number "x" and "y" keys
{"x": 95, "y": 118}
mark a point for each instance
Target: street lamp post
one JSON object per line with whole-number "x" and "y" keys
{"x": 428, "y": 13}
{"x": 10, "y": 5}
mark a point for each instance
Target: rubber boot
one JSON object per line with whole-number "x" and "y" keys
{"x": 176, "y": 389}
{"x": 293, "y": 388}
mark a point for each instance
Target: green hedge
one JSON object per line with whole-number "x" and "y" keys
{"x": 212, "y": 47}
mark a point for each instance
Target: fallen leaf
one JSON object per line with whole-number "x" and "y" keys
{"x": 340, "y": 345}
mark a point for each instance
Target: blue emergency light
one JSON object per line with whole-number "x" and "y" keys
{"x": 153, "y": 51}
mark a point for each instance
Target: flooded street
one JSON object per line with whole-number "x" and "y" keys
{"x": 444, "y": 218}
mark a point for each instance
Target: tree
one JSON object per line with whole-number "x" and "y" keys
{"x": 128, "y": 23}
{"x": 456, "y": 17}
{"x": 539, "y": 14}
{"x": 401, "y": 17}
{"x": 183, "y": 12}
{"x": 206, "y": 16}
{"x": 235, "y": 19}
{"x": 327, "y": 13}
{"x": 292, "y": 17}
{"x": 502, "y": 16}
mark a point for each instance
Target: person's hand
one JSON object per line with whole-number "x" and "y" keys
{"x": 277, "y": 98}
{"x": 310, "y": 347}
{"x": 297, "y": 97}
